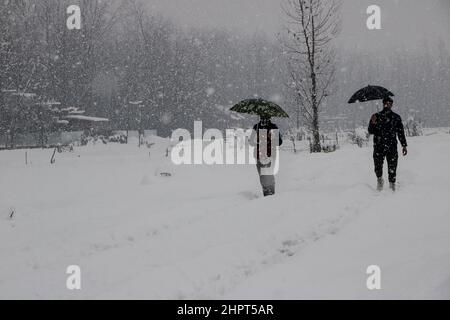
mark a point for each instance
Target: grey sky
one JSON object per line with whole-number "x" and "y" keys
{"x": 403, "y": 21}
{"x": 241, "y": 15}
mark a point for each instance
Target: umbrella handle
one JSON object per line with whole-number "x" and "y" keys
{"x": 374, "y": 119}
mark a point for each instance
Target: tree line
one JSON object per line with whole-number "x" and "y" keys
{"x": 125, "y": 53}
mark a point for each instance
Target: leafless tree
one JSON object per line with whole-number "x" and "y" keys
{"x": 311, "y": 25}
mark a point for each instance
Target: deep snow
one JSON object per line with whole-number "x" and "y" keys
{"x": 206, "y": 232}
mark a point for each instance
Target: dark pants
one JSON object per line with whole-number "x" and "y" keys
{"x": 391, "y": 156}
{"x": 267, "y": 181}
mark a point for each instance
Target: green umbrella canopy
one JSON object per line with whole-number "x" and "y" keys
{"x": 260, "y": 107}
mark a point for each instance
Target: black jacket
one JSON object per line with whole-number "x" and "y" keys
{"x": 387, "y": 128}
{"x": 269, "y": 127}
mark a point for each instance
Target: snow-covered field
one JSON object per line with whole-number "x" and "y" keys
{"x": 206, "y": 232}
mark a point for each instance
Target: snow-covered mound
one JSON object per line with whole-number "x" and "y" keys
{"x": 206, "y": 232}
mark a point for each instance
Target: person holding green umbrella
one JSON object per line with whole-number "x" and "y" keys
{"x": 264, "y": 138}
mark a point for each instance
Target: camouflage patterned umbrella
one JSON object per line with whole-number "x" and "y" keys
{"x": 260, "y": 107}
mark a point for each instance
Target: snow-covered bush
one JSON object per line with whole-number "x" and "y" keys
{"x": 329, "y": 148}
{"x": 299, "y": 134}
{"x": 360, "y": 137}
{"x": 118, "y": 138}
{"x": 413, "y": 128}
{"x": 327, "y": 144}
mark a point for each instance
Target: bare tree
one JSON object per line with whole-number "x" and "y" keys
{"x": 310, "y": 28}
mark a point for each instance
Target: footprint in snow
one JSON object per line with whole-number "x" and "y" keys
{"x": 249, "y": 195}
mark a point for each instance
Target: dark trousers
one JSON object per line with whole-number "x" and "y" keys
{"x": 391, "y": 156}
{"x": 267, "y": 181}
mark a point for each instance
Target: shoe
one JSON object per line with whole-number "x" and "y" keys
{"x": 392, "y": 186}
{"x": 380, "y": 184}
{"x": 268, "y": 192}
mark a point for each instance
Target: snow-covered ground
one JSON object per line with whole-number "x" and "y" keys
{"x": 206, "y": 232}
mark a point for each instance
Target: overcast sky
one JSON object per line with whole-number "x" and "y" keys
{"x": 403, "y": 21}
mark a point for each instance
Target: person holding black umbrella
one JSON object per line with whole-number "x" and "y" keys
{"x": 386, "y": 126}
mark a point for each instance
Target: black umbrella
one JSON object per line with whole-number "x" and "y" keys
{"x": 370, "y": 93}
{"x": 260, "y": 107}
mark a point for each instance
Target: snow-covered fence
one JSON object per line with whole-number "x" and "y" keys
{"x": 32, "y": 140}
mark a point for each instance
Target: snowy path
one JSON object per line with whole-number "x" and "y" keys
{"x": 207, "y": 233}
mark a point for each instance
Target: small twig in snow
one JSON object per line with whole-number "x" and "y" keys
{"x": 11, "y": 213}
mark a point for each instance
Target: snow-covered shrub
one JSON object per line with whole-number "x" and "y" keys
{"x": 118, "y": 138}
{"x": 327, "y": 144}
{"x": 413, "y": 128}
{"x": 299, "y": 134}
{"x": 360, "y": 137}
{"x": 329, "y": 148}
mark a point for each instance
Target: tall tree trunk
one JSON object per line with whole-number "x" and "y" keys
{"x": 315, "y": 122}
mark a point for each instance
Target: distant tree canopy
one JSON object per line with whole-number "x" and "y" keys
{"x": 123, "y": 53}
{"x": 126, "y": 53}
